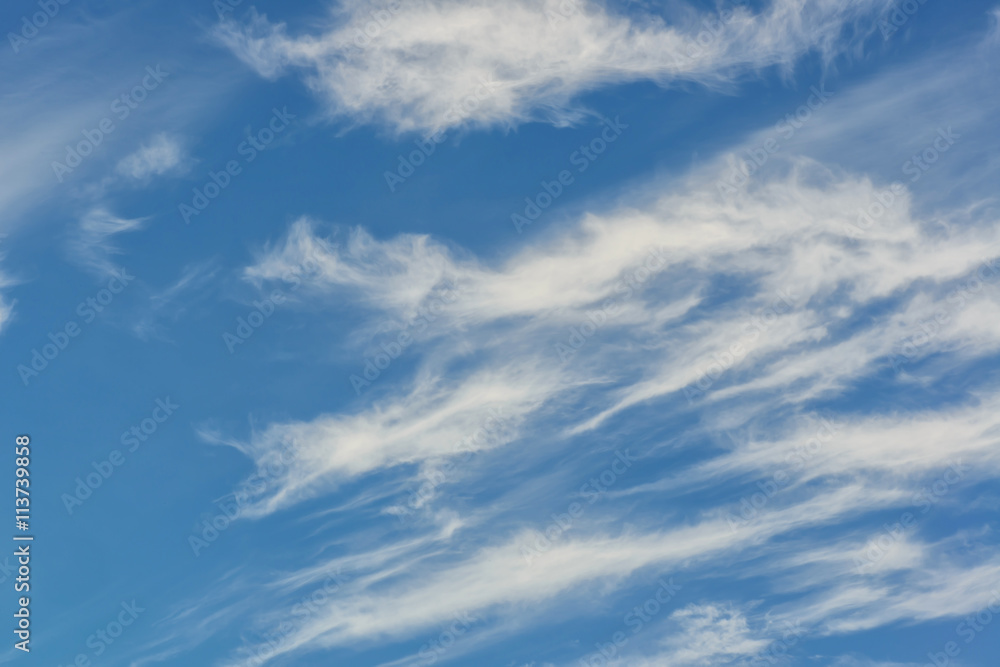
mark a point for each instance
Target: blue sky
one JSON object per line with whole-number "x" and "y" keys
{"x": 522, "y": 333}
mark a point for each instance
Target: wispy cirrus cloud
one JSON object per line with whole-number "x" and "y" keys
{"x": 767, "y": 366}
{"x": 849, "y": 309}
{"x": 172, "y": 302}
{"x": 706, "y": 634}
{"x": 813, "y": 342}
{"x": 439, "y": 64}
{"x": 92, "y": 242}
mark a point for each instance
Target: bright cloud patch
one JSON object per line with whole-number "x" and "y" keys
{"x": 793, "y": 332}
{"x": 681, "y": 307}
{"x": 427, "y": 66}
{"x": 160, "y": 155}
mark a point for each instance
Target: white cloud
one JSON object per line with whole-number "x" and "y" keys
{"x": 944, "y": 590}
{"x": 666, "y": 340}
{"x": 708, "y": 635}
{"x": 431, "y": 421}
{"x": 498, "y": 580}
{"x": 817, "y": 309}
{"x": 855, "y": 661}
{"x": 661, "y": 341}
{"x": 92, "y": 241}
{"x": 442, "y": 63}
{"x": 811, "y": 340}
{"x": 161, "y": 155}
